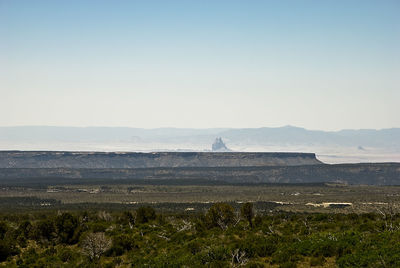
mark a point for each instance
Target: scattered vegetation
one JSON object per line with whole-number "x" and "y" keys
{"x": 223, "y": 236}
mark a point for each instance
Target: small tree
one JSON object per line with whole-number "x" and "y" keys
{"x": 247, "y": 212}
{"x": 127, "y": 219}
{"x": 66, "y": 226}
{"x": 145, "y": 214}
{"x": 95, "y": 244}
{"x": 43, "y": 230}
{"x": 221, "y": 214}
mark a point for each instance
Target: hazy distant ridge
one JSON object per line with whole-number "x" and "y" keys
{"x": 386, "y": 138}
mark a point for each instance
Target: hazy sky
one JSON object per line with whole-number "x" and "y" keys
{"x": 315, "y": 64}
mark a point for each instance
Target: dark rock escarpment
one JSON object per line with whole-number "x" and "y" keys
{"x": 371, "y": 173}
{"x": 21, "y": 167}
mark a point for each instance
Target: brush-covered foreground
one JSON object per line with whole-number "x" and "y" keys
{"x": 220, "y": 237}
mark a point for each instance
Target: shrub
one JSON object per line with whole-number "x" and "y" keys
{"x": 43, "y": 230}
{"x": 120, "y": 245}
{"x": 7, "y": 249}
{"x": 317, "y": 261}
{"x": 66, "y": 227}
{"x": 95, "y": 244}
{"x": 145, "y": 214}
{"x": 258, "y": 220}
{"x": 247, "y": 212}
{"x": 288, "y": 264}
{"x": 65, "y": 255}
{"x": 127, "y": 218}
{"x": 3, "y": 229}
{"x": 220, "y": 215}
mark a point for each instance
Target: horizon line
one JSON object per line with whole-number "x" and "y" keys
{"x": 200, "y": 128}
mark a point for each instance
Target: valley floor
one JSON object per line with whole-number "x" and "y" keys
{"x": 296, "y": 198}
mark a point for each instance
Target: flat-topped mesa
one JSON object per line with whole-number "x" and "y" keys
{"x": 52, "y": 159}
{"x": 58, "y": 159}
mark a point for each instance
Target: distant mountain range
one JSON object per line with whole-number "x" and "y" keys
{"x": 288, "y": 135}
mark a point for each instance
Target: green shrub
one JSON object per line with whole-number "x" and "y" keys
{"x": 288, "y": 264}
{"x": 43, "y": 229}
{"x": 247, "y": 212}
{"x": 65, "y": 255}
{"x": 3, "y": 229}
{"x": 120, "y": 245}
{"x": 145, "y": 214}
{"x": 258, "y": 220}
{"x": 7, "y": 249}
{"x": 317, "y": 261}
{"x": 220, "y": 215}
{"x": 66, "y": 228}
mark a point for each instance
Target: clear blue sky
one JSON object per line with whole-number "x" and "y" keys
{"x": 328, "y": 65}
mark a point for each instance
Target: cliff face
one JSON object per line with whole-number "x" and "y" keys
{"x": 371, "y": 173}
{"x": 50, "y": 159}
